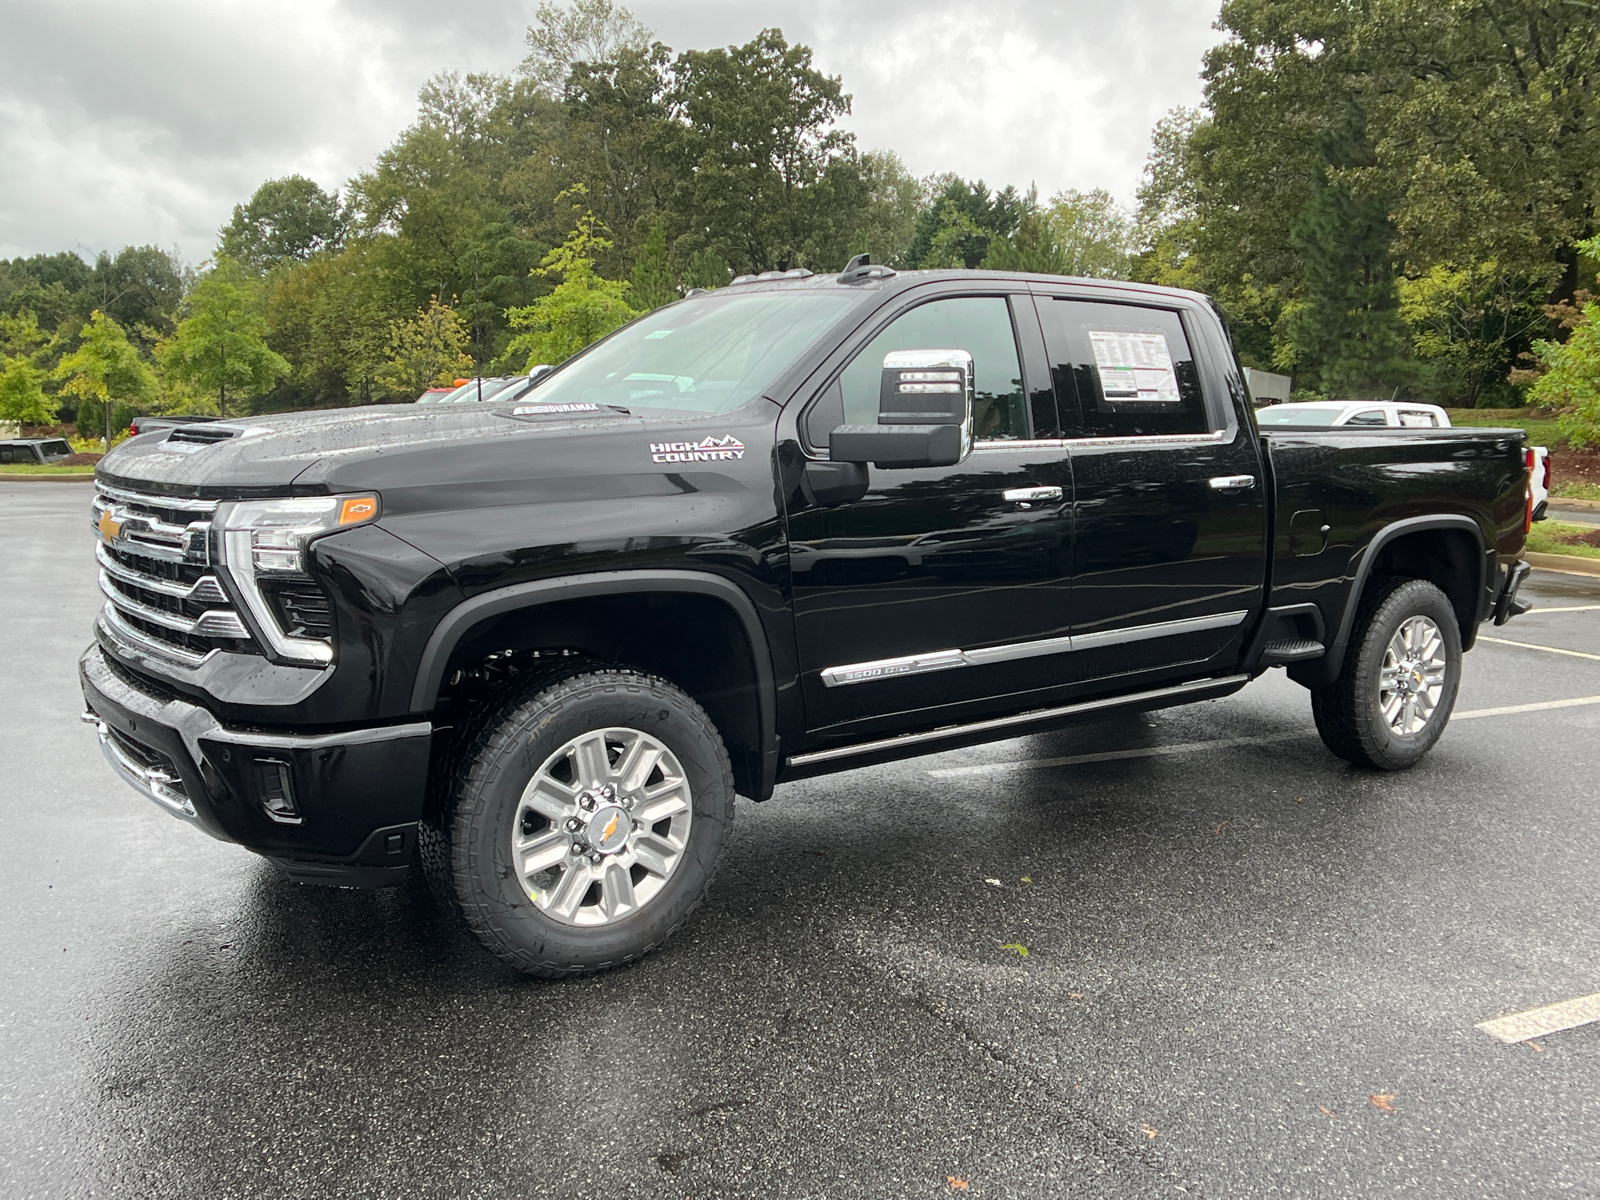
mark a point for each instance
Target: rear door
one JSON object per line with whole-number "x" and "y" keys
{"x": 943, "y": 590}
{"x": 1169, "y": 497}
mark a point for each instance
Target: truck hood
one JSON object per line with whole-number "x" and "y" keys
{"x": 332, "y": 450}
{"x": 467, "y": 459}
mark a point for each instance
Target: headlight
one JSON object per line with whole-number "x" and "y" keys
{"x": 264, "y": 542}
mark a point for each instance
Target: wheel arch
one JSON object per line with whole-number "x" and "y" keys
{"x": 698, "y": 630}
{"x": 1447, "y": 549}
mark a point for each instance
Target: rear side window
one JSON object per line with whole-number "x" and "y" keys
{"x": 1123, "y": 369}
{"x": 980, "y": 325}
{"x": 55, "y": 449}
{"x": 1415, "y": 419}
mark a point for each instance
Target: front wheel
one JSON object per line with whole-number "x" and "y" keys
{"x": 1398, "y": 684}
{"x": 586, "y": 822}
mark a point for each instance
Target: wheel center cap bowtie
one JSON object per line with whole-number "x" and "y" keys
{"x": 609, "y": 828}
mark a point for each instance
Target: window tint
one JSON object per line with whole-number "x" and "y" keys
{"x": 980, "y": 325}
{"x": 1372, "y": 416}
{"x": 1122, "y": 370}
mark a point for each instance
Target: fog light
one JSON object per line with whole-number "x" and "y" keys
{"x": 275, "y": 791}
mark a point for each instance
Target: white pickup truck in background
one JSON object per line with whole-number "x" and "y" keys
{"x": 1368, "y": 413}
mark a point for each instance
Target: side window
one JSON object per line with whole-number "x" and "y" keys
{"x": 980, "y": 325}
{"x": 1372, "y": 416}
{"x": 1413, "y": 419}
{"x": 1124, "y": 370}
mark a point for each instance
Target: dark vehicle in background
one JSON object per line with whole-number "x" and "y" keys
{"x": 35, "y": 452}
{"x": 791, "y": 526}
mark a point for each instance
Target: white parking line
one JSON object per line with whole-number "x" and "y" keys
{"x": 1509, "y": 709}
{"x": 1567, "y": 608}
{"x": 1533, "y": 646}
{"x": 1536, "y": 1022}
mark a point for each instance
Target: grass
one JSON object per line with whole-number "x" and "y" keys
{"x": 1539, "y": 423}
{"x": 1575, "y": 491}
{"x": 40, "y": 469}
{"x": 1553, "y": 537}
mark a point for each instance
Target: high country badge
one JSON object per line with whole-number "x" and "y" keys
{"x": 711, "y": 449}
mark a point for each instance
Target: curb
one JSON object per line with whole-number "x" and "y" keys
{"x": 1572, "y": 502}
{"x": 1567, "y": 564}
{"x": 87, "y": 476}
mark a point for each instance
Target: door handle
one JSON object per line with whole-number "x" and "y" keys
{"x": 1232, "y": 483}
{"x": 1029, "y": 495}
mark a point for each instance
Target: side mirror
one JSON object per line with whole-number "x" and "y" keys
{"x": 536, "y": 373}
{"x": 924, "y": 413}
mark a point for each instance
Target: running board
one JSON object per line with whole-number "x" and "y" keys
{"x": 906, "y": 744}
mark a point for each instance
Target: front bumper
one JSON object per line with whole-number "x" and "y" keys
{"x": 339, "y": 808}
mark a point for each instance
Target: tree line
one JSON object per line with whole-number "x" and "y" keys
{"x": 1381, "y": 198}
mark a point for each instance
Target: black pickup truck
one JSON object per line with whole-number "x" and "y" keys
{"x": 792, "y": 526}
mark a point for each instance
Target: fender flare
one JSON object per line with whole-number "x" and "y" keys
{"x": 447, "y": 634}
{"x": 1332, "y": 662}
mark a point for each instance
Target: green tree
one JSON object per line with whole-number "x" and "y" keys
{"x": 220, "y": 343}
{"x": 22, "y": 397}
{"x": 957, "y": 241}
{"x": 771, "y": 177}
{"x": 286, "y": 220}
{"x": 590, "y": 31}
{"x": 1079, "y": 233}
{"x": 707, "y": 269}
{"x": 1347, "y": 336}
{"x": 428, "y": 350}
{"x": 886, "y": 220}
{"x": 107, "y": 375}
{"x": 964, "y": 218}
{"x": 652, "y": 272}
{"x": 581, "y": 309}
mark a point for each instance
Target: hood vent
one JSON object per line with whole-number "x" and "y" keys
{"x": 204, "y": 433}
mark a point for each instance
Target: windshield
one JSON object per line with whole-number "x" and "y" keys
{"x": 709, "y": 354}
{"x": 1297, "y": 414}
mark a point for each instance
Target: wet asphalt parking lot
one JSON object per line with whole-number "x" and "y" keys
{"x": 1251, "y": 970}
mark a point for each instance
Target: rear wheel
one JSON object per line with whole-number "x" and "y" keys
{"x": 1398, "y": 685}
{"x": 586, "y": 821}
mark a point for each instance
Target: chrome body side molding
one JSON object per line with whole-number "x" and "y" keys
{"x": 945, "y": 660}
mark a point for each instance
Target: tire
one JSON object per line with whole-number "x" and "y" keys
{"x": 1405, "y": 644}
{"x": 533, "y": 770}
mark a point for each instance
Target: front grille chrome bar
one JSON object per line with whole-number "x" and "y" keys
{"x": 150, "y": 500}
{"x": 216, "y": 622}
{"x": 121, "y": 630}
{"x": 205, "y": 589}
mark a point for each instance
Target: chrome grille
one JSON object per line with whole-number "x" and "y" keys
{"x": 157, "y": 575}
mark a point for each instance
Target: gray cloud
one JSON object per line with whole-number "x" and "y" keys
{"x": 146, "y": 123}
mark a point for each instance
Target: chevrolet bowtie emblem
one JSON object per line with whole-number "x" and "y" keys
{"x": 108, "y": 525}
{"x": 611, "y": 828}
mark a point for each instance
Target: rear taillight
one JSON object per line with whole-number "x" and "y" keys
{"x": 1527, "y": 513}
{"x": 1547, "y": 470}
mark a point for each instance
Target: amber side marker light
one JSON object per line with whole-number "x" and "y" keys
{"x": 358, "y": 509}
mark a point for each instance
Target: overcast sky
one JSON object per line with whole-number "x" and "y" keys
{"x": 146, "y": 122}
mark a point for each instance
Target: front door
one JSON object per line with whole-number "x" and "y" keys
{"x": 1169, "y": 500}
{"x": 941, "y": 589}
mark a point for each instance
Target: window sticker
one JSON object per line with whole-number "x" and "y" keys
{"x": 1134, "y": 366}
